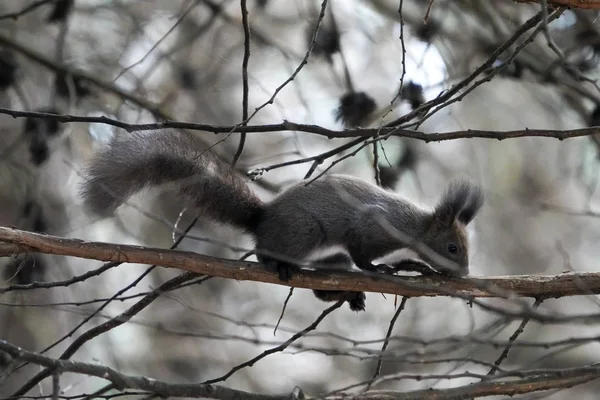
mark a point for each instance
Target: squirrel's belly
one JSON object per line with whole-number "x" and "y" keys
{"x": 398, "y": 256}
{"x": 321, "y": 253}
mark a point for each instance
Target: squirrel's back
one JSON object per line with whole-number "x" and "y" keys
{"x": 335, "y": 210}
{"x": 345, "y": 197}
{"x": 177, "y": 160}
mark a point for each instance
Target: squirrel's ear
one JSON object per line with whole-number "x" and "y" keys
{"x": 472, "y": 206}
{"x": 453, "y": 201}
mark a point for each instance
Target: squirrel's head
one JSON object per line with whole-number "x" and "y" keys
{"x": 447, "y": 234}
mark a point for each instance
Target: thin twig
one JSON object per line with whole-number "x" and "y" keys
{"x": 118, "y": 293}
{"x": 245, "y": 88}
{"x": 90, "y": 334}
{"x": 510, "y": 387}
{"x": 285, "y": 303}
{"x": 492, "y": 74}
{"x": 31, "y": 7}
{"x": 72, "y": 331}
{"x": 428, "y": 11}
{"x": 376, "y": 163}
{"x": 122, "y": 381}
{"x": 64, "y": 283}
{"x": 513, "y": 338}
{"x": 586, "y": 4}
{"x": 300, "y": 66}
{"x": 530, "y": 23}
{"x": 281, "y": 347}
{"x": 385, "y": 343}
{"x": 403, "y": 45}
{"x": 107, "y": 326}
{"x": 80, "y": 75}
{"x": 158, "y": 42}
{"x": 55, "y": 385}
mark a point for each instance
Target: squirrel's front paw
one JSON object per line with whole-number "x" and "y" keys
{"x": 449, "y": 273}
{"x": 386, "y": 269}
{"x": 414, "y": 266}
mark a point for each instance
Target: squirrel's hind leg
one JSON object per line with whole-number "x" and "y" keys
{"x": 356, "y": 300}
{"x": 285, "y": 270}
{"x": 282, "y": 246}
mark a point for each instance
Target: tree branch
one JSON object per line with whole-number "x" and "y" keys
{"x": 586, "y": 4}
{"x": 27, "y": 9}
{"x": 91, "y": 78}
{"x": 563, "y": 378}
{"x": 565, "y": 284}
{"x": 122, "y": 381}
{"x": 287, "y": 126}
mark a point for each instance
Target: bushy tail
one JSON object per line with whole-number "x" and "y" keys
{"x": 178, "y": 161}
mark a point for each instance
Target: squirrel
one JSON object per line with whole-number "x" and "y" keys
{"x": 301, "y": 224}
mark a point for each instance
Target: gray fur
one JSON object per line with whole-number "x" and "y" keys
{"x": 176, "y": 160}
{"x": 335, "y": 211}
{"x": 339, "y": 210}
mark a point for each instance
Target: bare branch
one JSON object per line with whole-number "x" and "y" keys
{"x": 245, "y": 88}
{"x": 386, "y": 342}
{"x": 559, "y": 379}
{"x": 50, "y": 64}
{"x": 30, "y": 8}
{"x": 537, "y": 286}
{"x": 585, "y": 4}
{"x": 64, "y": 283}
{"x": 447, "y": 95}
{"x": 288, "y": 126}
{"x": 122, "y": 381}
{"x": 563, "y": 378}
{"x": 282, "y": 346}
{"x": 512, "y": 339}
{"x": 107, "y": 326}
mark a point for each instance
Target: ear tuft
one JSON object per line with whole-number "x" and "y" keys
{"x": 472, "y": 206}
{"x": 461, "y": 201}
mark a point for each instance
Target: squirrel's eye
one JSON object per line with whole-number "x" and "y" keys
{"x": 452, "y": 248}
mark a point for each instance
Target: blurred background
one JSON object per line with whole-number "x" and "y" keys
{"x": 153, "y": 60}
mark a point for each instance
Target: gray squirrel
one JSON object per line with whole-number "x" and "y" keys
{"x": 336, "y": 216}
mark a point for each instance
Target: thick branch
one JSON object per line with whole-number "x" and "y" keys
{"x": 566, "y": 284}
